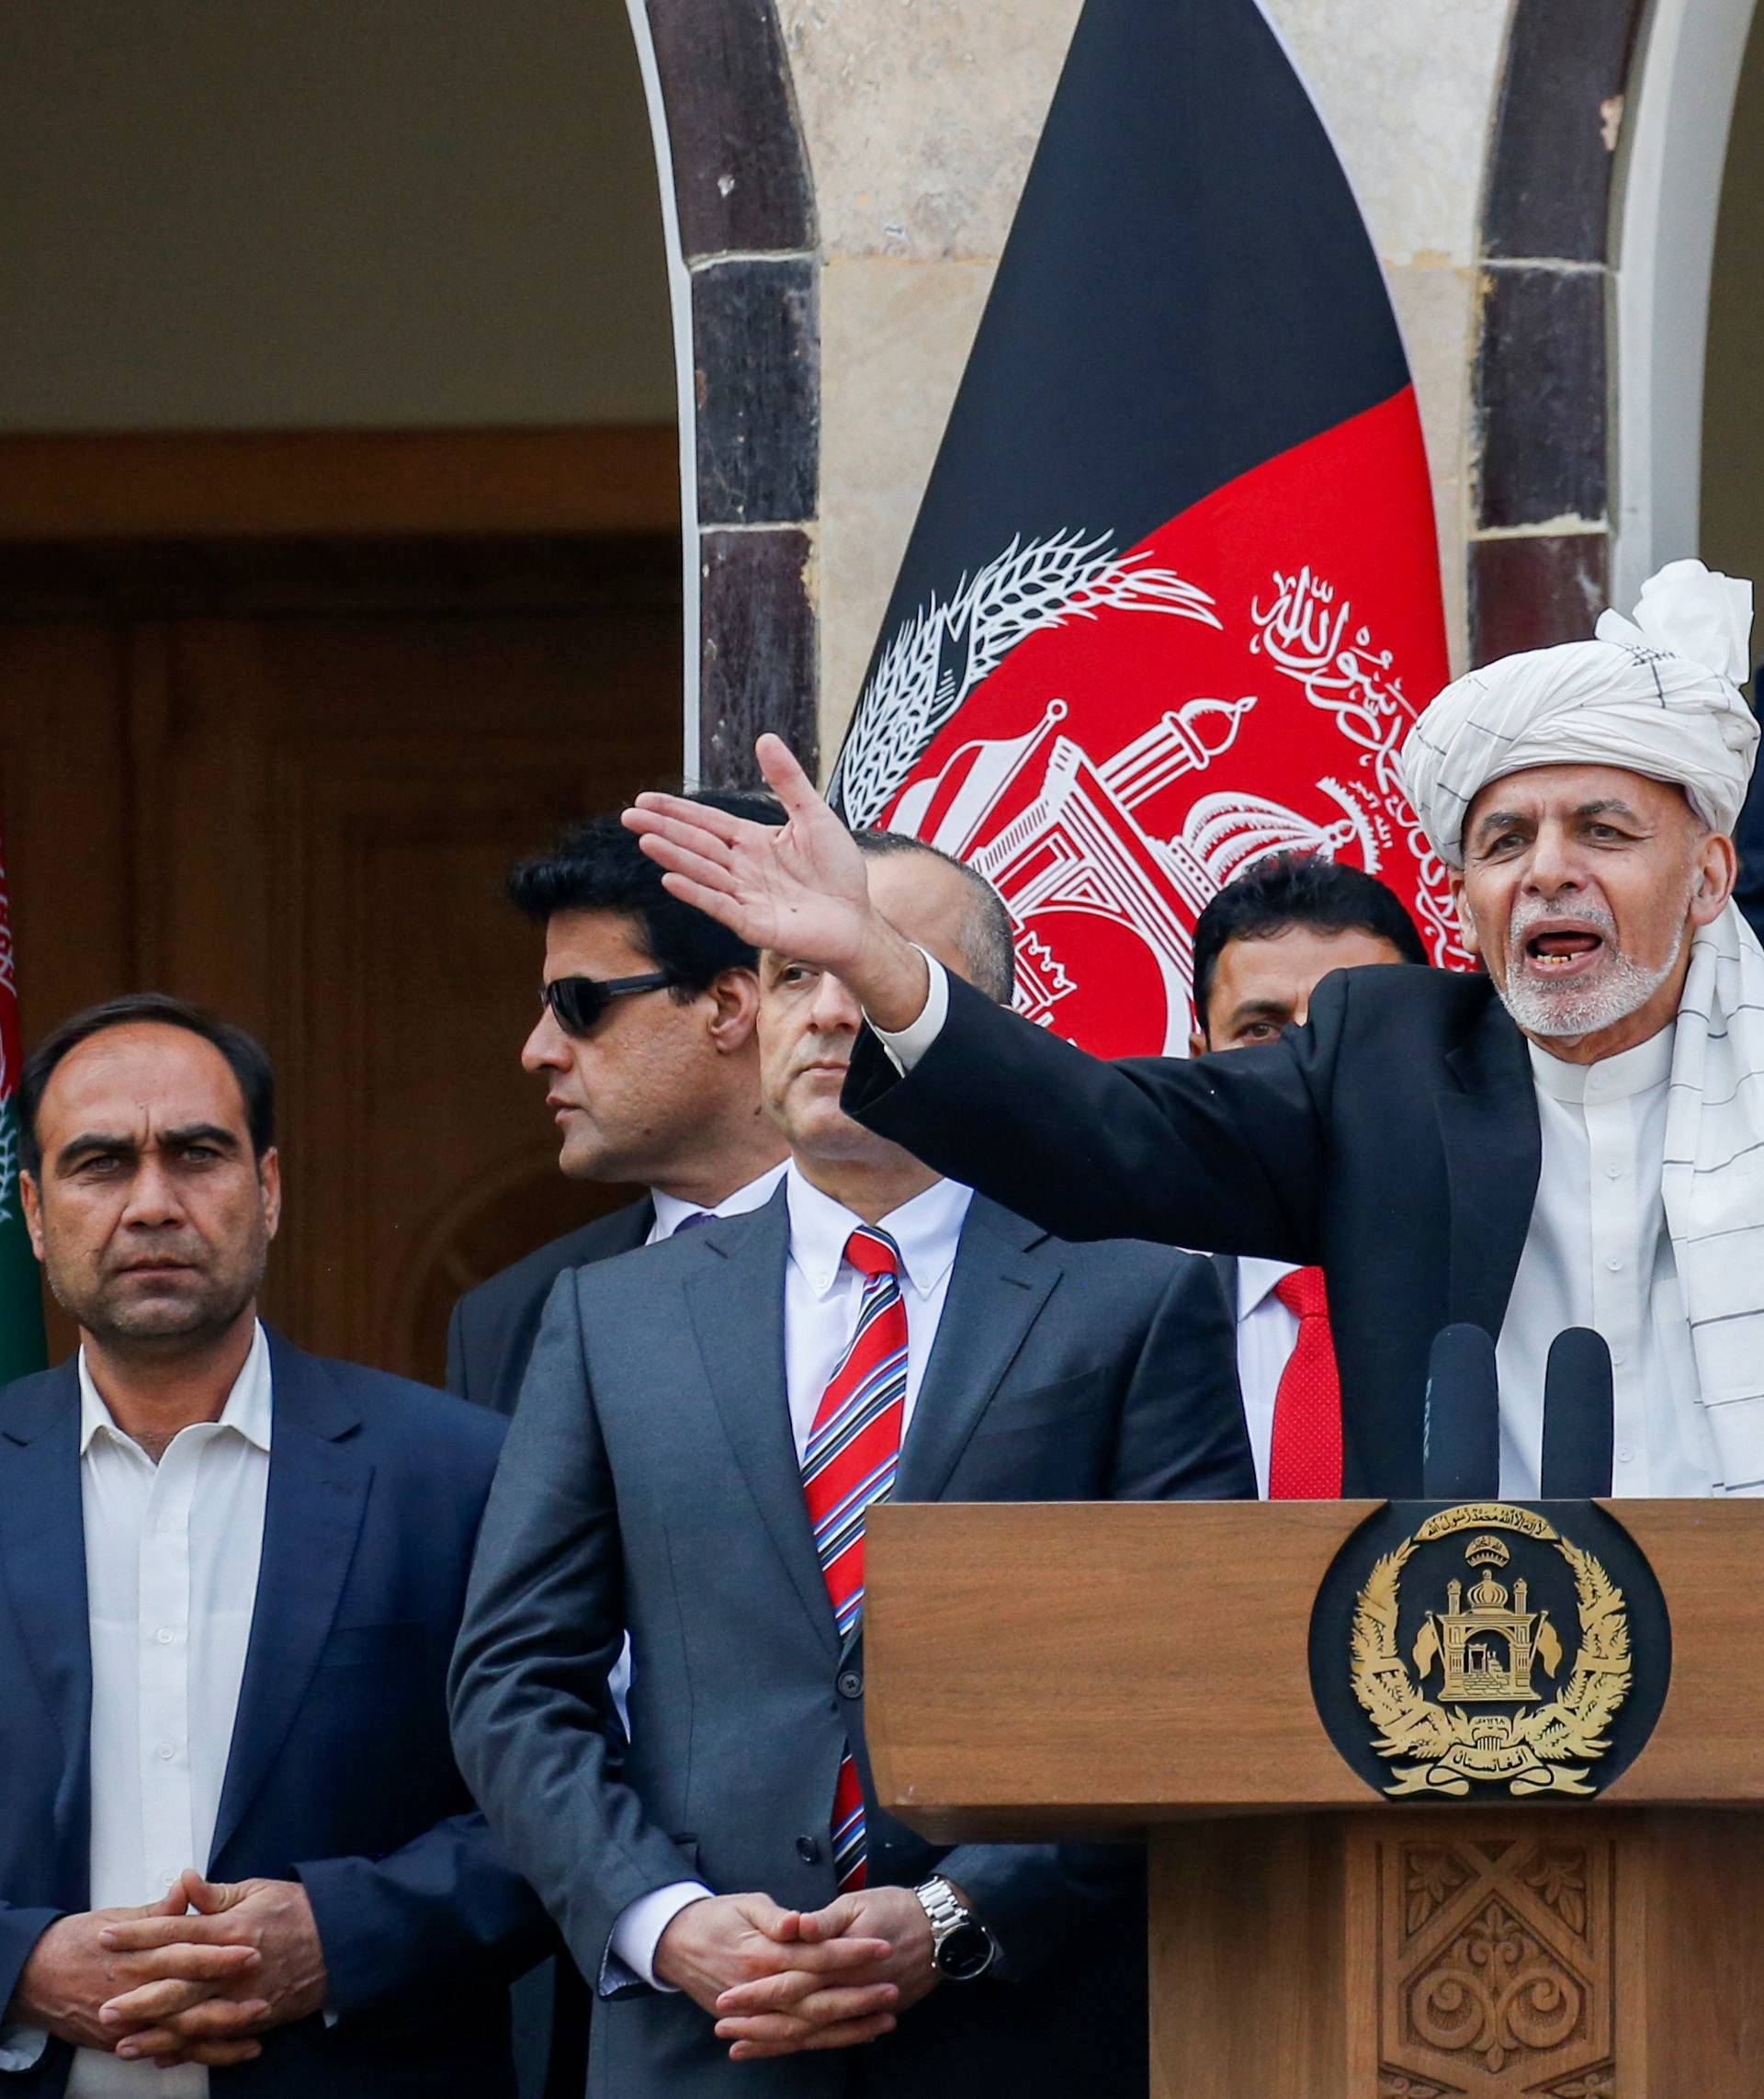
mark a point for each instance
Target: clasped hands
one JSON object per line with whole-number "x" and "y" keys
{"x": 195, "y": 1976}
{"x": 778, "y": 1981}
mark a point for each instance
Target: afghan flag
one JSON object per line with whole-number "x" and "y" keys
{"x": 1173, "y": 599}
{"x": 22, "y": 1347}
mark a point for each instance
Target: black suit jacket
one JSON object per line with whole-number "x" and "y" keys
{"x": 490, "y": 1333}
{"x": 1394, "y": 1139}
{"x": 340, "y": 1773}
{"x": 652, "y": 1481}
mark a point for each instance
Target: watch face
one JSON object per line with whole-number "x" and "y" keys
{"x": 965, "y": 1953}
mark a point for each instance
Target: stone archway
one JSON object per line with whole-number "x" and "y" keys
{"x": 1597, "y": 234}
{"x": 737, "y": 196}
{"x": 1540, "y": 441}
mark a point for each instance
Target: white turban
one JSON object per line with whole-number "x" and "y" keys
{"x": 1657, "y": 696}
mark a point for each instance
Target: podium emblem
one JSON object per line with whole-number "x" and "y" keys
{"x": 1489, "y": 1652}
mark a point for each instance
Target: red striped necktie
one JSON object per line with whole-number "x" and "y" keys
{"x": 1305, "y": 1458}
{"x": 853, "y": 1447}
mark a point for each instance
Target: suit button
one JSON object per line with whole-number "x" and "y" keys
{"x": 851, "y": 1684}
{"x": 808, "y": 1851}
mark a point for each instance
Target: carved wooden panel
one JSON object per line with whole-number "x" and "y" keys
{"x": 1498, "y": 1964}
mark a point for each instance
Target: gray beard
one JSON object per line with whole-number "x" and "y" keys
{"x": 1624, "y": 987}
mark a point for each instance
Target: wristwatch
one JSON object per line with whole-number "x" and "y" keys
{"x": 961, "y": 1949}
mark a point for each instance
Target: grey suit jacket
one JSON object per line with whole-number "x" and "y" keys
{"x": 651, "y": 1481}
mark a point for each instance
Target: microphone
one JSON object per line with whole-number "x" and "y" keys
{"x": 1461, "y": 1431}
{"x": 1577, "y": 1417}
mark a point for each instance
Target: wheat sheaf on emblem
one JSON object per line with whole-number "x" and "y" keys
{"x": 935, "y": 658}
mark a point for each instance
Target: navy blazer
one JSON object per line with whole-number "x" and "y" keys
{"x": 340, "y": 1774}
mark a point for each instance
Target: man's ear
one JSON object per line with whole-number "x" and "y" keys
{"x": 735, "y": 1009}
{"x": 1196, "y": 1043}
{"x": 33, "y": 1201}
{"x": 1717, "y": 864}
{"x": 269, "y": 1179}
{"x": 1467, "y": 924}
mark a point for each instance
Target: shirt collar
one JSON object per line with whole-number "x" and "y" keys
{"x": 671, "y": 1213}
{"x": 927, "y": 1229}
{"x": 1630, "y": 1071}
{"x": 248, "y": 1410}
{"x": 1256, "y": 1280}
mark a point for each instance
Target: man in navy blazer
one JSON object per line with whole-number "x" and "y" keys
{"x": 233, "y": 1841}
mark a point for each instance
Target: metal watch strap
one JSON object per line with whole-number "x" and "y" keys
{"x": 950, "y": 1918}
{"x": 937, "y": 1899}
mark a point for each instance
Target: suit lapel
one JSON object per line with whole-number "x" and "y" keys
{"x": 996, "y": 1289}
{"x": 1493, "y": 1154}
{"x": 737, "y": 1306}
{"x": 318, "y": 1489}
{"x": 42, "y": 1549}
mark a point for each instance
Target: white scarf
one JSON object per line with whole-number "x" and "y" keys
{"x": 1713, "y": 1182}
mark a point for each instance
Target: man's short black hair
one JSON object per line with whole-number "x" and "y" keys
{"x": 598, "y": 865}
{"x": 1298, "y": 889}
{"x": 248, "y": 1058}
{"x": 990, "y": 938}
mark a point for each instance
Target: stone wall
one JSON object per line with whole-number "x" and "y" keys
{"x": 920, "y": 118}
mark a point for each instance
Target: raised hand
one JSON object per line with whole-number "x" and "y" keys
{"x": 799, "y": 887}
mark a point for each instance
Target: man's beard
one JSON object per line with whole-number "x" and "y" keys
{"x": 1620, "y": 987}
{"x": 162, "y": 1324}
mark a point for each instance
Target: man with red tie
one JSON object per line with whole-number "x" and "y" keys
{"x": 702, "y": 1427}
{"x": 1261, "y": 947}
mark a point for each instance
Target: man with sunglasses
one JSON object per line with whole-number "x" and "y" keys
{"x": 645, "y": 1041}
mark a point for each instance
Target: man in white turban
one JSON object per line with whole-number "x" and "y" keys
{"x": 1575, "y": 1139}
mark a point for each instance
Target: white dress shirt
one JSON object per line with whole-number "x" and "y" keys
{"x": 171, "y": 1553}
{"x": 1597, "y": 1253}
{"x": 821, "y": 1294}
{"x": 1267, "y": 1334}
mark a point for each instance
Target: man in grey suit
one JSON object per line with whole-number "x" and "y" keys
{"x": 675, "y": 1468}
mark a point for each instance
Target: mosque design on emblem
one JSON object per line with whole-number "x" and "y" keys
{"x": 1488, "y": 1642}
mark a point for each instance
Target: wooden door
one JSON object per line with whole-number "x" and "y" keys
{"x": 302, "y": 817}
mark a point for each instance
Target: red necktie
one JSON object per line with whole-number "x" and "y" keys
{"x": 1304, "y": 1459}
{"x": 853, "y": 1447}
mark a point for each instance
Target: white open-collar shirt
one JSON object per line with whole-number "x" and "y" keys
{"x": 172, "y": 1557}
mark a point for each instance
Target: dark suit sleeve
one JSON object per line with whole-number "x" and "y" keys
{"x": 1222, "y": 1152}
{"x": 19, "y": 1931}
{"x": 1181, "y": 1437}
{"x": 533, "y": 1727}
{"x": 447, "y": 1901}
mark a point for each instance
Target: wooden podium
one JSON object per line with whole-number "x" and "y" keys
{"x": 1144, "y": 1668}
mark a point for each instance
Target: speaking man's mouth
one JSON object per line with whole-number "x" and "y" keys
{"x": 1555, "y": 953}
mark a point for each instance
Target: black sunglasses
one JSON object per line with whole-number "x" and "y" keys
{"x": 578, "y": 1003}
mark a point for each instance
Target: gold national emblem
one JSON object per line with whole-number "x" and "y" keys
{"x": 1483, "y": 1651}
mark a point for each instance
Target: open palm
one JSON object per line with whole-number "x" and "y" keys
{"x": 799, "y": 887}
